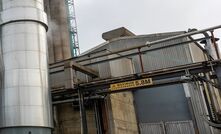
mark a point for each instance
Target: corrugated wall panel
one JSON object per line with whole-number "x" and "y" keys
{"x": 176, "y": 127}
{"x": 199, "y": 108}
{"x": 82, "y": 77}
{"x": 167, "y": 57}
{"x": 151, "y": 128}
{"x": 102, "y": 68}
{"x": 57, "y": 80}
{"x": 179, "y": 127}
{"x": 157, "y": 59}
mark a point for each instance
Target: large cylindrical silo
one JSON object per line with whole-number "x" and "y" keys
{"x": 25, "y": 106}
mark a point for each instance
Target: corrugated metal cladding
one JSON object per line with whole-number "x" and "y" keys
{"x": 155, "y": 59}
{"x": 152, "y": 128}
{"x": 178, "y": 127}
{"x": 198, "y": 107}
{"x": 102, "y": 68}
{"x": 167, "y": 57}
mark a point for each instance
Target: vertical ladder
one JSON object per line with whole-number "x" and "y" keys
{"x": 74, "y": 44}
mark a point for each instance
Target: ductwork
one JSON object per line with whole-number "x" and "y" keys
{"x": 209, "y": 46}
{"x": 25, "y": 106}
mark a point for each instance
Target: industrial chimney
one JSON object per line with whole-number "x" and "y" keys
{"x": 24, "y": 94}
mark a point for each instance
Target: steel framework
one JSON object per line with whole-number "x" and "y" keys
{"x": 74, "y": 43}
{"x": 99, "y": 88}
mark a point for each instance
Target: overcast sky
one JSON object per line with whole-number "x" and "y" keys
{"x": 143, "y": 17}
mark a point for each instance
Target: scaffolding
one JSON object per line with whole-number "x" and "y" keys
{"x": 74, "y": 44}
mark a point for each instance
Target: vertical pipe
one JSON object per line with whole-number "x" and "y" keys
{"x": 84, "y": 129}
{"x": 214, "y": 103}
{"x": 55, "y": 115}
{"x": 141, "y": 60}
{"x": 25, "y": 105}
{"x": 207, "y": 101}
{"x": 97, "y": 117}
{"x": 215, "y": 44}
{"x": 210, "y": 49}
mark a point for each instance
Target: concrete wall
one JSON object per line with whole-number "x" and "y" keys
{"x": 123, "y": 117}
{"x": 123, "y": 114}
{"x": 68, "y": 120}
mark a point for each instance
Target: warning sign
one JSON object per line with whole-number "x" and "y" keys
{"x": 131, "y": 84}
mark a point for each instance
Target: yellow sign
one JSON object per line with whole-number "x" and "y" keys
{"x": 131, "y": 84}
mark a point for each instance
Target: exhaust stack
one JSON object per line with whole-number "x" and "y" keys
{"x": 24, "y": 94}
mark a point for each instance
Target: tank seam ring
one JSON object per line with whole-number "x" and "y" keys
{"x": 30, "y": 20}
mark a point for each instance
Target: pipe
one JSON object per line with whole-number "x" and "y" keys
{"x": 141, "y": 60}
{"x": 147, "y": 44}
{"x": 98, "y": 117}
{"x": 210, "y": 49}
{"x": 183, "y": 35}
{"x": 215, "y": 44}
{"x": 25, "y": 106}
{"x": 211, "y": 123}
{"x": 194, "y": 68}
{"x": 84, "y": 127}
{"x": 52, "y": 66}
{"x": 135, "y": 53}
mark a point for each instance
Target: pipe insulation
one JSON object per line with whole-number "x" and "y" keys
{"x": 25, "y": 103}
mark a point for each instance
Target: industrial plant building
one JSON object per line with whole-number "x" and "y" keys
{"x": 161, "y": 83}
{"x": 174, "y": 108}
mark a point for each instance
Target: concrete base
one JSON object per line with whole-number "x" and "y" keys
{"x": 25, "y": 130}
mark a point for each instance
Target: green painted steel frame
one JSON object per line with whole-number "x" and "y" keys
{"x": 74, "y": 44}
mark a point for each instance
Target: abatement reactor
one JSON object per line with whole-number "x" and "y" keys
{"x": 163, "y": 83}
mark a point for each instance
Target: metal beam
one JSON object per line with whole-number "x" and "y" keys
{"x": 157, "y": 83}
{"x": 170, "y": 72}
{"x": 156, "y": 75}
{"x": 77, "y": 99}
{"x": 76, "y": 66}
